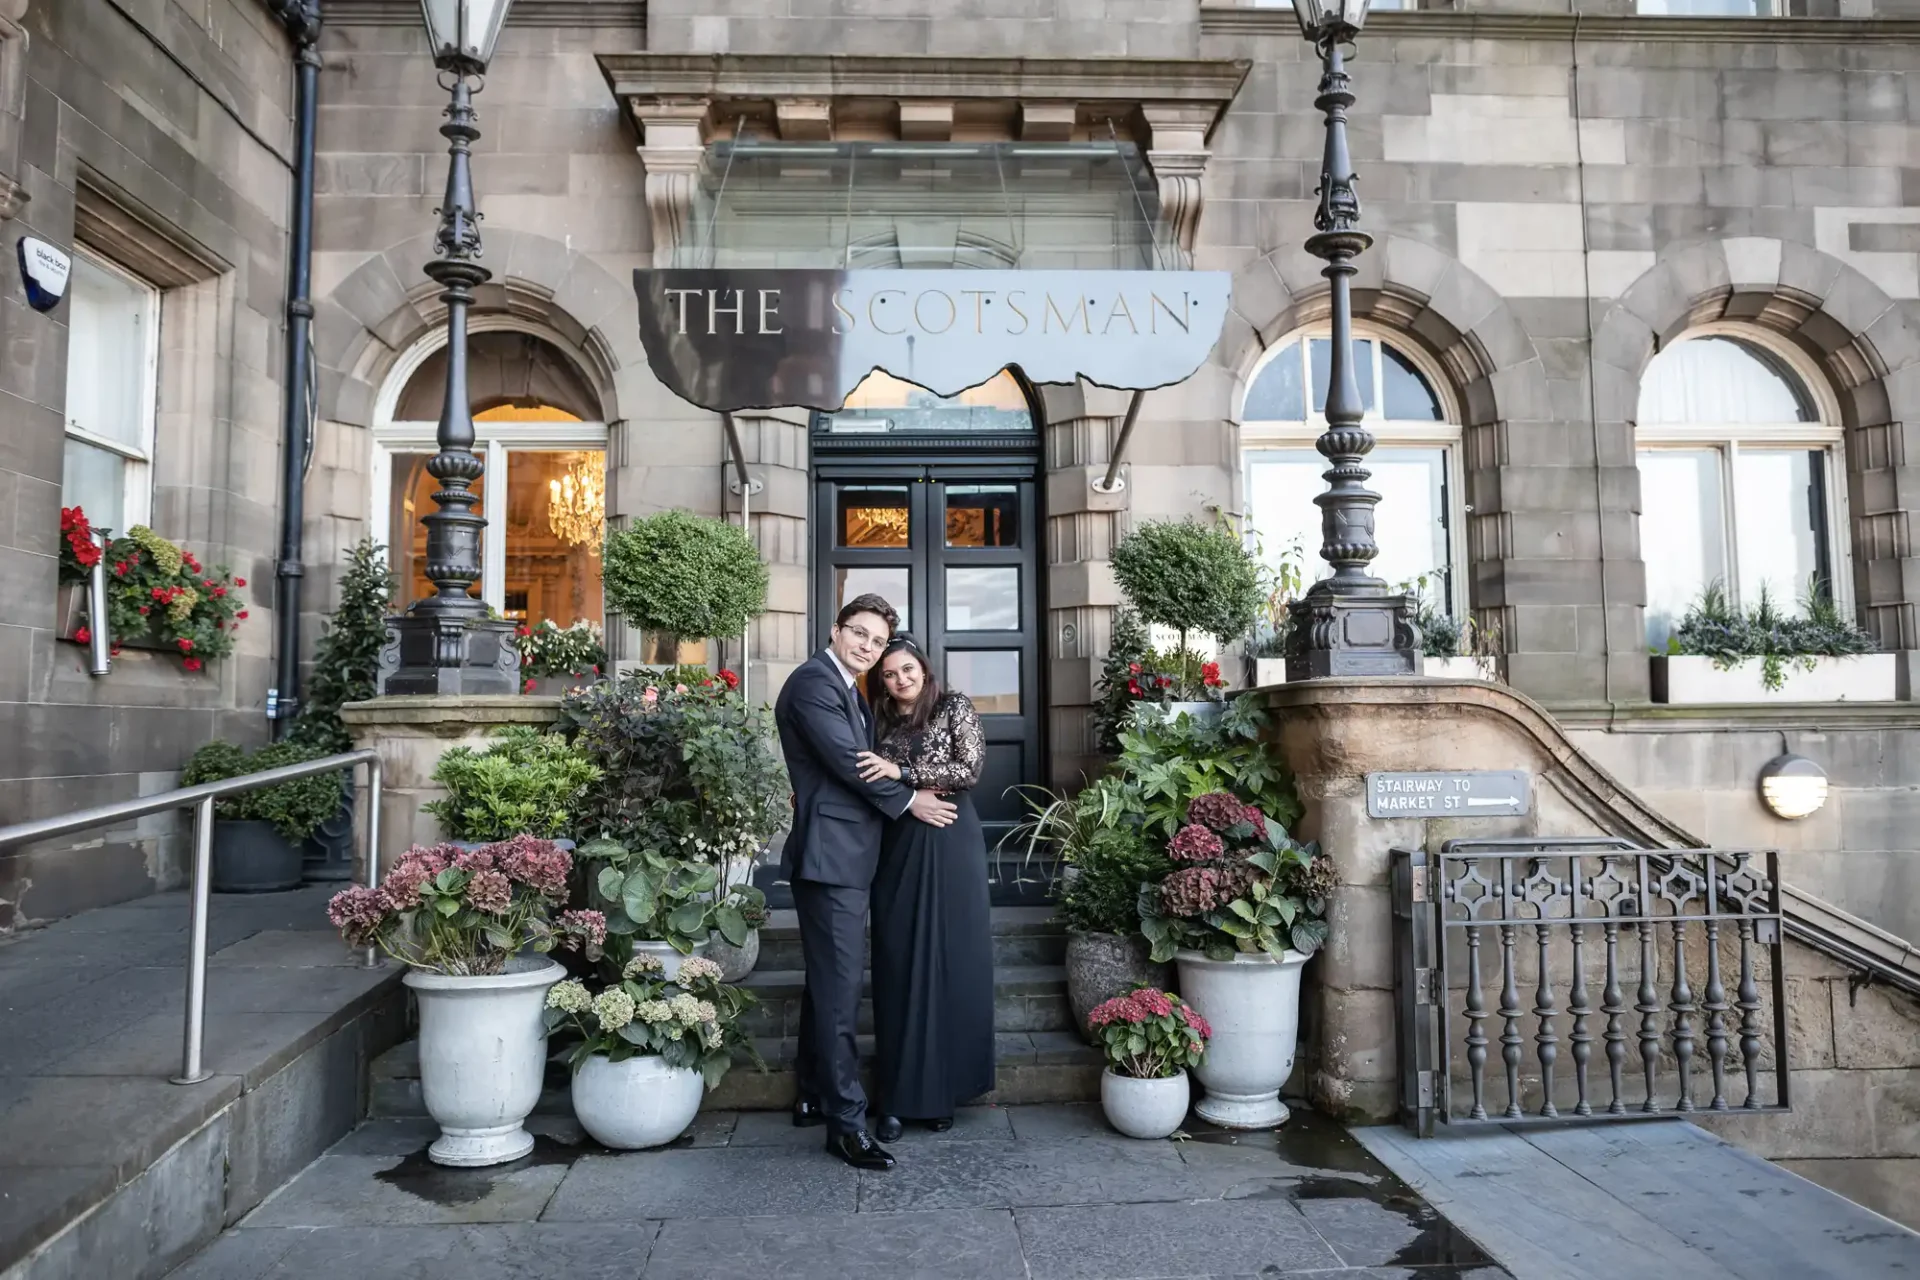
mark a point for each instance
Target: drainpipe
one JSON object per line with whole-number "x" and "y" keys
{"x": 302, "y": 21}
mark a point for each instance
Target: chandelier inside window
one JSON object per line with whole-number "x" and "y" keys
{"x": 577, "y": 506}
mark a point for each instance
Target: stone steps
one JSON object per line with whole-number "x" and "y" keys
{"x": 1026, "y": 998}
{"x": 1022, "y": 936}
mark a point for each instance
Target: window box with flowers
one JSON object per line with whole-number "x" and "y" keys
{"x": 555, "y": 659}
{"x": 159, "y": 596}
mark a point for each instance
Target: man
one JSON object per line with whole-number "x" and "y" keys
{"x": 830, "y": 858}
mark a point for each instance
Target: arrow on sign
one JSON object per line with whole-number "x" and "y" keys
{"x": 1480, "y": 801}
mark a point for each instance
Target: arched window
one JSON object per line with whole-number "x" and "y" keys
{"x": 1414, "y": 464}
{"x": 544, "y": 488}
{"x": 1736, "y": 479}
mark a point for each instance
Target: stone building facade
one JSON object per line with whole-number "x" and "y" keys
{"x": 1558, "y": 196}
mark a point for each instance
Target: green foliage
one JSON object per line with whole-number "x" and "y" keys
{"x": 1103, "y": 851}
{"x": 346, "y": 660}
{"x": 1189, "y": 576}
{"x": 525, "y": 783}
{"x": 685, "y": 575}
{"x": 296, "y": 809}
{"x": 687, "y": 769}
{"x": 1113, "y": 709}
{"x": 743, "y": 910}
{"x": 1714, "y": 628}
{"x": 1281, "y": 582}
{"x": 649, "y": 895}
{"x": 550, "y": 650}
{"x": 1171, "y": 761}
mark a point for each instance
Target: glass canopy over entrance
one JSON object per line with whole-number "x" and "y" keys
{"x": 898, "y": 205}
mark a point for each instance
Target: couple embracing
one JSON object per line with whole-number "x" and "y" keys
{"x": 882, "y": 825}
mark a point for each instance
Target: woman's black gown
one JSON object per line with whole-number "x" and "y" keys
{"x": 932, "y": 931}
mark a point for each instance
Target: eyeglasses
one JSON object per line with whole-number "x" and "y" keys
{"x": 862, "y": 637}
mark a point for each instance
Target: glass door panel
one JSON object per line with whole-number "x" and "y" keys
{"x": 555, "y": 526}
{"x": 895, "y": 586}
{"x": 991, "y": 677}
{"x": 410, "y": 496}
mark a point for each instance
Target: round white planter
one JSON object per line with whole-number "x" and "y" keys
{"x": 483, "y": 1051}
{"x": 669, "y": 958}
{"x": 641, "y": 1102}
{"x": 1144, "y": 1108}
{"x": 1253, "y": 1004}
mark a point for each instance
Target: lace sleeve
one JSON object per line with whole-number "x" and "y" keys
{"x": 955, "y": 749}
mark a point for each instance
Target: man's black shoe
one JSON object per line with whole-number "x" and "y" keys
{"x": 889, "y": 1129}
{"x": 858, "y": 1149}
{"x": 940, "y": 1125}
{"x": 807, "y": 1113}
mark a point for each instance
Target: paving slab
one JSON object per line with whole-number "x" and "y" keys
{"x": 975, "y": 1245}
{"x": 715, "y": 1183}
{"x": 1122, "y": 1242}
{"x": 970, "y": 1124}
{"x": 519, "y": 1251}
{"x": 1003, "y": 1175}
{"x": 345, "y": 1191}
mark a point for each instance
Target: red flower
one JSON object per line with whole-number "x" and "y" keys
{"x": 731, "y": 680}
{"x": 208, "y": 583}
{"x": 1163, "y": 681}
{"x": 523, "y": 630}
{"x": 145, "y": 610}
{"x": 596, "y": 669}
{"x": 1133, "y": 668}
{"x": 241, "y": 614}
{"x": 239, "y": 582}
{"x": 1133, "y": 687}
{"x": 186, "y": 645}
{"x": 526, "y": 685}
{"x": 120, "y": 569}
{"x": 218, "y": 592}
{"x": 84, "y": 635}
{"x": 219, "y": 624}
{"x": 191, "y": 664}
{"x": 113, "y": 651}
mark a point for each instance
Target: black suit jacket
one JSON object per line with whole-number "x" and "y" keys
{"x": 838, "y": 818}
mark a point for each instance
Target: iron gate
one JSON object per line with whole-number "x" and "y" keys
{"x": 1611, "y": 940}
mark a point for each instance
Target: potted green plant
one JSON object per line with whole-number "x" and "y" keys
{"x": 259, "y": 836}
{"x": 1281, "y": 581}
{"x": 655, "y": 904}
{"x": 1193, "y": 578}
{"x": 1103, "y": 856}
{"x": 1241, "y": 913}
{"x": 554, "y": 659}
{"x": 1722, "y": 653}
{"x": 1151, "y": 1039}
{"x": 683, "y": 578}
{"x": 643, "y": 1045}
{"x": 688, "y": 771}
{"x": 346, "y": 668}
{"x": 524, "y": 783}
{"x": 473, "y": 927}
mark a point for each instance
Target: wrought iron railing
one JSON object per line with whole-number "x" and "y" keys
{"x": 1608, "y": 942}
{"x": 201, "y": 800}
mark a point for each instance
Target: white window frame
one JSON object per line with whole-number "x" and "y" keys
{"x": 136, "y": 502}
{"x": 1261, "y": 435}
{"x": 1824, "y": 434}
{"x": 492, "y": 443}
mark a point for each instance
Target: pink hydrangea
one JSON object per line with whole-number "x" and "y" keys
{"x": 1193, "y": 1019}
{"x": 1195, "y": 843}
{"x": 1194, "y": 891}
{"x": 358, "y": 913}
{"x": 489, "y": 891}
{"x": 1153, "y": 1002}
{"x": 583, "y": 928}
{"x": 416, "y": 866}
{"x": 481, "y": 859}
{"x": 1217, "y": 809}
{"x": 539, "y": 864}
{"x": 1118, "y": 1009}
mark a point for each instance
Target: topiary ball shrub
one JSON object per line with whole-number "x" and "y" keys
{"x": 684, "y": 575}
{"x": 1189, "y": 576}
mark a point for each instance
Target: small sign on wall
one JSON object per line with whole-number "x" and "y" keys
{"x": 44, "y": 270}
{"x": 1486, "y": 793}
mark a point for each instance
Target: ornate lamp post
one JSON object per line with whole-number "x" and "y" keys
{"x": 445, "y": 643}
{"x": 1349, "y": 624}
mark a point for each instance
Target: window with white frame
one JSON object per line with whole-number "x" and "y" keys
{"x": 1414, "y": 466}
{"x": 1739, "y": 480}
{"x": 113, "y": 330}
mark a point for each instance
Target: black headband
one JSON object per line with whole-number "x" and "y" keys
{"x": 902, "y": 640}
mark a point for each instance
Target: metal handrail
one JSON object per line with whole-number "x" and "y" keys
{"x": 201, "y": 799}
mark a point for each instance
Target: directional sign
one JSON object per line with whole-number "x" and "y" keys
{"x": 1505, "y": 793}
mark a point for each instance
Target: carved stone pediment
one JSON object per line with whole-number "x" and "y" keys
{"x": 1168, "y": 107}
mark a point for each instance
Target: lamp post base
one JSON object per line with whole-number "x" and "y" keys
{"x": 449, "y": 655}
{"x": 1353, "y": 635}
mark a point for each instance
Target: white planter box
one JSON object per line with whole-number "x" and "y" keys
{"x": 1870, "y": 677}
{"x": 1461, "y": 668}
{"x": 1268, "y": 671}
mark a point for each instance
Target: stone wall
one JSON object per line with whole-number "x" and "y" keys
{"x": 158, "y": 135}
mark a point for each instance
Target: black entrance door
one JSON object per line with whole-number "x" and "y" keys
{"x": 954, "y": 548}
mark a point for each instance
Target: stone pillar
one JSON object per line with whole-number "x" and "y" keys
{"x": 411, "y": 734}
{"x": 1083, "y": 523}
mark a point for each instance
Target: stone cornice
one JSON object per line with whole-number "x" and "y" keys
{"x": 1476, "y": 25}
{"x": 831, "y": 76}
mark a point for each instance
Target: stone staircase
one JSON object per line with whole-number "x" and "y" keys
{"x": 1041, "y": 1058}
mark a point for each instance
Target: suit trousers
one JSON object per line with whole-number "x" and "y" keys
{"x": 833, "y": 941}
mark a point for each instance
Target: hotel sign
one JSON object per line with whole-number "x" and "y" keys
{"x": 729, "y": 339}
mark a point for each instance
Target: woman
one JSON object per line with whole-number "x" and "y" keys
{"x": 932, "y": 931}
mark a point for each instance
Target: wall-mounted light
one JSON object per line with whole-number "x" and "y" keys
{"x": 1793, "y": 786}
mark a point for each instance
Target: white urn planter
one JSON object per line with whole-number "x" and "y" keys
{"x": 1253, "y": 1005}
{"x": 669, "y": 958}
{"x": 1685, "y": 678}
{"x": 1144, "y": 1108}
{"x": 637, "y": 1103}
{"x": 483, "y": 1053}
